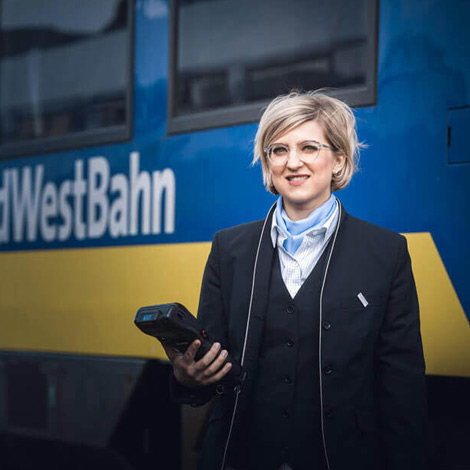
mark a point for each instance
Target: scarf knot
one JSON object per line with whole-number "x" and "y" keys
{"x": 295, "y": 231}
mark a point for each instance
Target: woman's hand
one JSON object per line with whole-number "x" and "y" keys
{"x": 191, "y": 373}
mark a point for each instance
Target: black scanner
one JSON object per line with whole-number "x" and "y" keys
{"x": 173, "y": 325}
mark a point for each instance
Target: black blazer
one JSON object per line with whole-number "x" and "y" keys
{"x": 373, "y": 396}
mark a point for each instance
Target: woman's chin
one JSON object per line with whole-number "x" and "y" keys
{"x": 301, "y": 201}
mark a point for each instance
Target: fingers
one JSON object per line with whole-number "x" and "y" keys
{"x": 207, "y": 370}
{"x": 216, "y": 370}
{"x": 189, "y": 355}
{"x": 208, "y": 358}
{"x": 220, "y": 375}
{"x": 215, "y": 365}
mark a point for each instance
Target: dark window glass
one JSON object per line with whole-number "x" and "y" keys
{"x": 64, "y": 73}
{"x": 231, "y": 56}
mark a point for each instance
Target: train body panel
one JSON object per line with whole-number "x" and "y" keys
{"x": 89, "y": 235}
{"x": 160, "y": 189}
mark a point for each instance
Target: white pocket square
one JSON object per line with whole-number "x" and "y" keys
{"x": 363, "y": 300}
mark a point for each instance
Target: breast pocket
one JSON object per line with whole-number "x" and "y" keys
{"x": 357, "y": 322}
{"x": 361, "y": 301}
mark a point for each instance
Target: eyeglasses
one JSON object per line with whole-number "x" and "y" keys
{"x": 307, "y": 151}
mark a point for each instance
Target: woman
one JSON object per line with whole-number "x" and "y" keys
{"x": 319, "y": 307}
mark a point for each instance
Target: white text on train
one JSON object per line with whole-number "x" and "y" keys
{"x": 87, "y": 207}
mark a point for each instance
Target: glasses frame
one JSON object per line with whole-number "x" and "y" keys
{"x": 268, "y": 149}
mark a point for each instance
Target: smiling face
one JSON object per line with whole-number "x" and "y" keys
{"x": 305, "y": 186}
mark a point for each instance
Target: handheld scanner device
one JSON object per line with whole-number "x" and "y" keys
{"x": 173, "y": 325}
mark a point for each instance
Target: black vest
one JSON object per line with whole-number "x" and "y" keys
{"x": 283, "y": 424}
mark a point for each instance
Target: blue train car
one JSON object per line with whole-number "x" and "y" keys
{"x": 126, "y": 134}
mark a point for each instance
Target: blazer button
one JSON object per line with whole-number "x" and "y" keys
{"x": 329, "y": 413}
{"x": 326, "y": 325}
{"x": 289, "y": 343}
{"x": 219, "y": 389}
{"x": 285, "y": 414}
{"x": 328, "y": 369}
{"x": 287, "y": 379}
{"x": 290, "y": 309}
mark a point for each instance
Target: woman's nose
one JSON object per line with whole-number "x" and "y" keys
{"x": 293, "y": 161}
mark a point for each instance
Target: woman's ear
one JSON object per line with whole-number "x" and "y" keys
{"x": 339, "y": 164}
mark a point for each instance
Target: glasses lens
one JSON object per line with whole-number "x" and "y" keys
{"x": 278, "y": 154}
{"x": 308, "y": 151}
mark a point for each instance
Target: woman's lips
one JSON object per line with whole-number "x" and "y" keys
{"x": 297, "y": 180}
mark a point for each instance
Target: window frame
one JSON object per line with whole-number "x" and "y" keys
{"x": 247, "y": 113}
{"x": 95, "y": 137}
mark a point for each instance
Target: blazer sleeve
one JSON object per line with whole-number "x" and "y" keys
{"x": 212, "y": 316}
{"x": 401, "y": 387}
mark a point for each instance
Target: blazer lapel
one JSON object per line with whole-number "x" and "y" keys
{"x": 260, "y": 295}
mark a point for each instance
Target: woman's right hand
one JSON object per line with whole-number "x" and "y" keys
{"x": 191, "y": 373}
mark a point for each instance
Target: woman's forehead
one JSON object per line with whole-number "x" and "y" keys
{"x": 309, "y": 130}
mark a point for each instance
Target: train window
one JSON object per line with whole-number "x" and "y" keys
{"x": 65, "y": 74}
{"x": 228, "y": 58}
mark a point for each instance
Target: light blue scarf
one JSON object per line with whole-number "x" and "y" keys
{"x": 295, "y": 230}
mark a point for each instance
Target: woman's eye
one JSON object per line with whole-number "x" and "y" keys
{"x": 310, "y": 148}
{"x": 279, "y": 150}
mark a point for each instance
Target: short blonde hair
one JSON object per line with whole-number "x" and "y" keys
{"x": 286, "y": 112}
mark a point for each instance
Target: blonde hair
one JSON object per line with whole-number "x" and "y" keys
{"x": 286, "y": 112}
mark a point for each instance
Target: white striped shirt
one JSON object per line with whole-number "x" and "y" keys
{"x": 296, "y": 268}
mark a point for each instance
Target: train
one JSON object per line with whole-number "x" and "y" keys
{"x": 126, "y": 135}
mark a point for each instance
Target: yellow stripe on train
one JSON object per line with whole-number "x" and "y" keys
{"x": 84, "y": 300}
{"x": 444, "y": 326}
